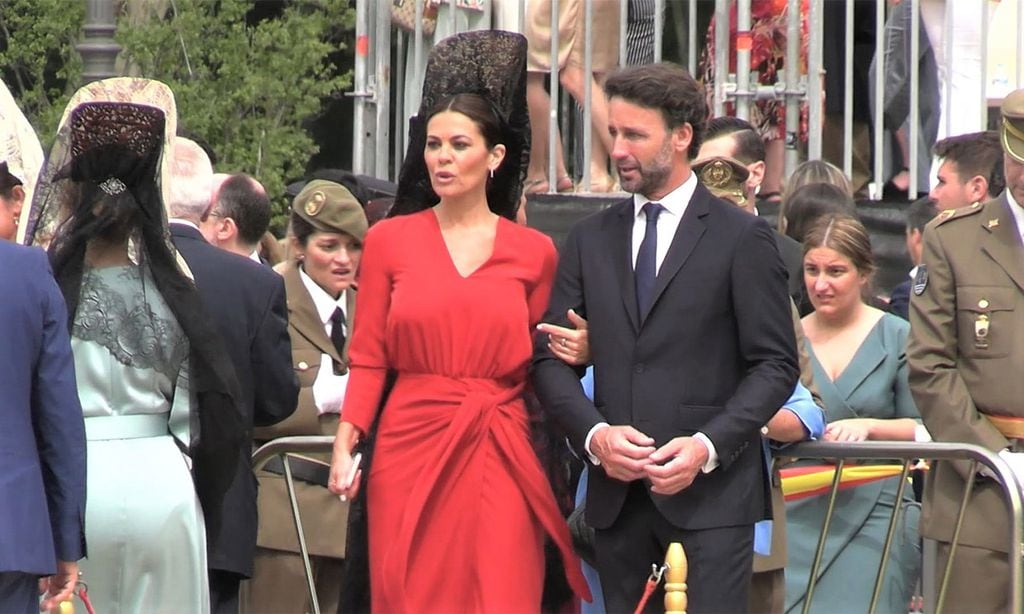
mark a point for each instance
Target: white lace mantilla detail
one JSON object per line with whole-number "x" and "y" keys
{"x": 120, "y": 309}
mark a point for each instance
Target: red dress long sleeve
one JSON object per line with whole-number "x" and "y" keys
{"x": 458, "y": 502}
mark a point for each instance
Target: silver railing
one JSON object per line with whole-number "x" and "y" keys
{"x": 979, "y": 457}
{"x": 380, "y": 140}
{"x": 281, "y": 448}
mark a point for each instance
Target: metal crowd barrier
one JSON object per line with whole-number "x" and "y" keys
{"x": 282, "y": 447}
{"x": 839, "y": 453}
{"x": 909, "y": 452}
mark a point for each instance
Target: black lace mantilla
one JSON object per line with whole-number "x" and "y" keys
{"x": 114, "y": 311}
{"x": 491, "y": 63}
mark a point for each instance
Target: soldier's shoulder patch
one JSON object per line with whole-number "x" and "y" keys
{"x": 920, "y": 280}
{"x": 955, "y": 214}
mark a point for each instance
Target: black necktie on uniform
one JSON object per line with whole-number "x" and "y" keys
{"x": 338, "y": 330}
{"x": 646, "y": 260}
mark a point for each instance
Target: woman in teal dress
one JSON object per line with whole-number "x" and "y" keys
{"x": 860, "y": 368}
{"x": 155, "y": 386}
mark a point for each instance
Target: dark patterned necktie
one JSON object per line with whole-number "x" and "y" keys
{"x": 646, "y": 259}
{"x": 338, "y": 330}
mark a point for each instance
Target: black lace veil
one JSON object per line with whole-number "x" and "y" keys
{"x": 102, "y": 183}
{"x": 491, "y": 63}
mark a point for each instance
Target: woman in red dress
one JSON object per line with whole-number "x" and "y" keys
{"x": 449, "y": 295}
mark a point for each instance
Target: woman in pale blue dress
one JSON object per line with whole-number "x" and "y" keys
{"x": 137, "y": 328}
{"x": 859, "y": 358}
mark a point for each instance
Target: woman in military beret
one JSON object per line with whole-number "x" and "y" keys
{"x": 450, "y": 292}
{"x": 326, "y": 234}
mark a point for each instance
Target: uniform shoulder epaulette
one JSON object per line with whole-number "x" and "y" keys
{"x": 955, "y": 214}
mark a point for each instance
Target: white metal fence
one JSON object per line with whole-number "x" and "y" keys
{"x": 978, "y": 45}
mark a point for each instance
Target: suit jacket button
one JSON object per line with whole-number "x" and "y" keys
{"x": 639, "y": 368}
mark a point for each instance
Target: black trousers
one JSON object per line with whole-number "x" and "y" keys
{"x": 719, "y": 559}
{"x": 224, "y": 591}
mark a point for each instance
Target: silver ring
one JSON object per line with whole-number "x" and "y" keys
{"x": 564, "y": 343}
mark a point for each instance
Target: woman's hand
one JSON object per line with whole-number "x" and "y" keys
{"x": 571, "y": 346}
{"x": 851, "y": 430}
{"x": 342, "y": 481}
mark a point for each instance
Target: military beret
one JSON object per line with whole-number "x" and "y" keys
{"x": 1011, "y": 130}
{"x": 724, "y": 177}
{"x": 330, "y": 207}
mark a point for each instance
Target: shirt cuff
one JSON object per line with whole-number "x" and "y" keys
{"x": 586, "y": 442}
{"x": 712, "y": 463}
{"x": 921, "y": 434}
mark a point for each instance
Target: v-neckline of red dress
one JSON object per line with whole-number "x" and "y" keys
{"x": 448, "y": 253}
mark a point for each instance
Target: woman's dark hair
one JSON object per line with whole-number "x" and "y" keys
{"x": 476, "y": 108}
{"x": 486, "y": 118}
{"x": 7, "y": 181}
{"x": 300, "y": 228}
{"x": 811, "y": 202}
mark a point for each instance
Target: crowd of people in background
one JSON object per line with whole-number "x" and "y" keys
{"x": 676, "y": 340}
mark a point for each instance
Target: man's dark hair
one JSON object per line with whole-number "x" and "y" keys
{"x": 665, "y": 87}
{"x": 749, "y": 144}
{"x": 7, "y": 181}
{"x": 920, "y": 212}
{"x": 244, "y": 200}
{"x": 975, "y": 153}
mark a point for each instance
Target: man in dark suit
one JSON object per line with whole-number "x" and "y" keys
{"x": 239, "y": 216}
{"x": 692, "y": 343}
{"x": 735, "y": 139}
{"x": 247, "y": 302}
{"x": 42, "y": 438}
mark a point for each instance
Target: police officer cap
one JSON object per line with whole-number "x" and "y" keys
{"x": 330, "y": 207}
{"x": 724, "y": 177}
{"x": 1011, "y": 132}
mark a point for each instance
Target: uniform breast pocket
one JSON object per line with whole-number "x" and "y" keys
{"x": 306, "y": 364}
{"x": 984, "y": 317}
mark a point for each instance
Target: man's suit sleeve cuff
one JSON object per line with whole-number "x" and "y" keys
{"x": 586, "y": 442}
{"x": 712, "y": 463}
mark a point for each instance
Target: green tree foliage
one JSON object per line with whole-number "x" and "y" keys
{"x": 246, "y": 87}
{"x": 38, "y": 60}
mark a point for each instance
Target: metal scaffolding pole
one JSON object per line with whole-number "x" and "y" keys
{"x": 588, "y": 80}
{"x": 879, "y": 107}
{"x": 721, "y": 55}
{"x": 744, "y": 42}
{"x": 814, "y": 76}
{"x": 553, "y": 104}
{"x": 793, "y": 90}
{"x": 848, "y": 93}
{"x": 915, "y": 95}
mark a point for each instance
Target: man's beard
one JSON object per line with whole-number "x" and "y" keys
{"x": 651, "y": 179}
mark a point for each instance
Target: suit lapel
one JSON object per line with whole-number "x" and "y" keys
{"x": 690, "y": 230}
{"x": 1001, "y": 240}
{"x": 302, "y": 313}
{"x": 620, "y": 240}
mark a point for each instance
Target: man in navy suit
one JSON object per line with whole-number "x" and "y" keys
{"x": 692, "y": 343}
{"x": 247, "y": 303}
{"x": 42, "y": 437}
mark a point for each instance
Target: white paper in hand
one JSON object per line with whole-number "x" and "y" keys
{"x": 328, "y": 388}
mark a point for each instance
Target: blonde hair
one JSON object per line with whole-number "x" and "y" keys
{"x": 807, "y": 173}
